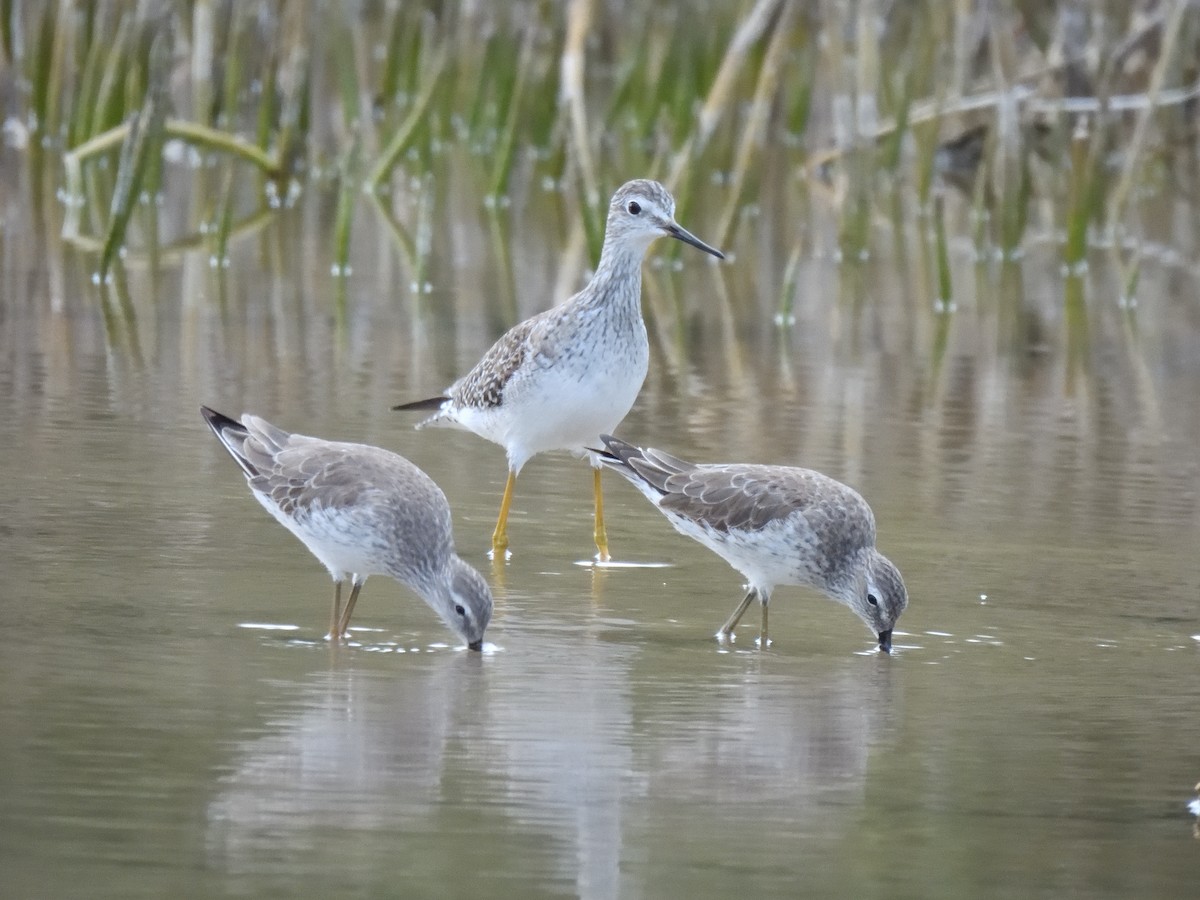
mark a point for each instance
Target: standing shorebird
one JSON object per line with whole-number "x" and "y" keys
{"x": 361, "y": 511}
{"x": 560, "y": 379}
{"x": 775, "y": 525}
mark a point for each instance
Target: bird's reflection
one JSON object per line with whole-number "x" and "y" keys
{"x": 349, "y": 749}
{"x": 588, "y": 765}
{"x": 764, "y": 739}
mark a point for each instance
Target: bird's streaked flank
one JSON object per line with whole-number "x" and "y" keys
{"x": 776, "y": 525}
{"x": 361, "y": 511}
{"x": 560, "y": 379}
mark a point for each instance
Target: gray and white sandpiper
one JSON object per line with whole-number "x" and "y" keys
{"x": 361, "y": 511}
{"x": 563, "y": 377}
{"x": 776, "y": 525}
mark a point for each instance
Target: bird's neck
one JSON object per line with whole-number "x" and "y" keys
{"x": 618, "y": 276}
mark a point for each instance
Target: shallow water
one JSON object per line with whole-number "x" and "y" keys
{"x": 171, "y": 720}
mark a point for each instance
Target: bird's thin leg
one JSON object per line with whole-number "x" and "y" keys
{"x": 763, "y": 641}
{"x": 731, "y": 623}
{"x": 335, "y": 613}
{"x": 500, "y": 535}
{"x": 601, "y": 534}
{"x": 344, "y": 622}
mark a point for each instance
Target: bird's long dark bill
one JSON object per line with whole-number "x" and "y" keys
{"x": 885, "y": 641}
{"x": 475, "y": 645}
{"x": 682, "y": 234}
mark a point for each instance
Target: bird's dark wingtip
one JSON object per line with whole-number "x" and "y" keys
{"x": 614, "y": 450}
{"x": 230, "y": 432}
{"x": 216, "y": 421}
{"x": 428, "y": 403}
{"x": 615, "y": 445}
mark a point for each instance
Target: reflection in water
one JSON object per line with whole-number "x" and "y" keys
{"x": 586, "y": 763}
{"x": 1041, "y": 455}
{"x": 559, "y": 748}
{"x": 766, "y": 743}
{"x": 354, "y": 751}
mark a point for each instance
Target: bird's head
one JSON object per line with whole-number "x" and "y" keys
{"x": 643, "y": 210}
{"x": 465, "y": 603}
{"x": 879, "y": 597}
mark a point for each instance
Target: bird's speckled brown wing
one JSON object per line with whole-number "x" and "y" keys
{"x": 483, "y": 386}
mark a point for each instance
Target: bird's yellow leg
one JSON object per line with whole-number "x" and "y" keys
{"x": 335, "y": 614}
{"x": 500, "y": 535}
{"x": 601, "y": 534}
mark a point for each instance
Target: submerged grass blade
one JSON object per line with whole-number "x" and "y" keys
{"x": 220, "y": 252}
{"x": 1086, "y": 195}
{"x": 347, "y": 193}
{"x": 120, "y": 287}
{"x": 1076, "y": 323}
{"x": 404, "y": 134}
{"x": 786, "y": 317}
{"x": 945, "y": 298}
{"x": 1015, "y": 213}
{"x": 145, "y": 138}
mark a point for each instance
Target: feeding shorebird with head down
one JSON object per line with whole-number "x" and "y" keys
{"x": 776, "y": 525}
{"x": 361, "y": 511}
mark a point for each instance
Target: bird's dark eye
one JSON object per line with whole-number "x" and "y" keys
{"x": 458, "y": 608}
{"x": 872, "y": 599}
{"x": 634, "y": 207}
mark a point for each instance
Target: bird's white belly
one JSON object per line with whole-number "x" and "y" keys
{"x": 576, "y": 415}
{"x": 338, "y": 540}
{"x": 568, "y": 410}
{"x": 767, "y": 559}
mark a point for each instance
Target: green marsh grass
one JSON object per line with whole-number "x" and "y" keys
{"x": 730, "y": 104}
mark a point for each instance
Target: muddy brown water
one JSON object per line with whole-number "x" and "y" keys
{"x": 172, "y": 722}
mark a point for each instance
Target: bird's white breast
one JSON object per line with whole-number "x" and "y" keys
{"x": 338, "y": 538}
{"x": 566, "y": 405}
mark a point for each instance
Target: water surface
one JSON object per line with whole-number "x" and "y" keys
{"x": 172, "y": 722}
